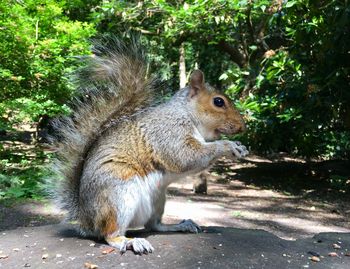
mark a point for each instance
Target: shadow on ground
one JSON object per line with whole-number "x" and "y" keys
{"x": 45, "y": 247}
{"x": 326, "y": 180}
{"x": 291, "y": 199}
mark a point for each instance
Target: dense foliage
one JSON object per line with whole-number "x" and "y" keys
{"x": 39, "y": 47}
{"x": 285, "y": 63}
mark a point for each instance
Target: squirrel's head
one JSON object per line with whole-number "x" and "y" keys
{"x": 214, "y": 111}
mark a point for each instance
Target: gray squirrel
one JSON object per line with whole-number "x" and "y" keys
{"x": 120, "y": 149}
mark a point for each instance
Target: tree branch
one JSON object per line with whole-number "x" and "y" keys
{"x": 235, "y": 55}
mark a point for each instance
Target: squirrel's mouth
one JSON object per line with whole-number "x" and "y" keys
{"x": 229, "y": 130}
{"x": 220, "y": 131}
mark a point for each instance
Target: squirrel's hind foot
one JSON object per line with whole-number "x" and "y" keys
{"x": 137, "y": 245}
{"x": 188, "y": 225}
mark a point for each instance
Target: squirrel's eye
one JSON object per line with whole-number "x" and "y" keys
{"x": 219, "y": 102}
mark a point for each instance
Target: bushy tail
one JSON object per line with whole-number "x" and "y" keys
{"x": 114, "y": 83}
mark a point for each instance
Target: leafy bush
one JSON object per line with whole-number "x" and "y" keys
{"x": 297, "y": 99}
{"x": 22, "y": 176}
{"x": 39, "y": 48}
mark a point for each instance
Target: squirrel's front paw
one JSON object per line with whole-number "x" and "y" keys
{"x": 238, "y": 149}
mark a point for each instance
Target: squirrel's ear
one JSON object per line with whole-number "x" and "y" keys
{"x": 196, "y": 82}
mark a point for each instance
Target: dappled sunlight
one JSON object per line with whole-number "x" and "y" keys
{"x": 28, "y": 214}
{"x": 254, "y": 200}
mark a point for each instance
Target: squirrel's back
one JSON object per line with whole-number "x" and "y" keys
{"x": 114, "y": 83}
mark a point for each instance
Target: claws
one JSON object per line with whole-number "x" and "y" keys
{"x": 238, "y": 149}
{"x": 189, "y": 225}
{"x": 137, "y": 245}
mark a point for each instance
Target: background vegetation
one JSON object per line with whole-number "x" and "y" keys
{"x": 284, "y": 63}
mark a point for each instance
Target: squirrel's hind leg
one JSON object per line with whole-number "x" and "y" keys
{"x": 186, "y": 226}
{"x": 155, "y": 224}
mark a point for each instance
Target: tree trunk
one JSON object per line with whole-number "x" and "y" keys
{"x": 200, "y": 184}
{"x": 182, "y": 67}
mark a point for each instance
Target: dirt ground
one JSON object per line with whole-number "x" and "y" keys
{"x": 288, "y": 197}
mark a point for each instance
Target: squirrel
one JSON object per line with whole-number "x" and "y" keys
{"x": 121, "y": 148}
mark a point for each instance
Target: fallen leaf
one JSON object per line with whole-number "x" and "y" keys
{"x": 315, "y": 259}
{"x": 90, "y": 265}
{"x": 347, "y": 254}
{"x": 107, "y": 250}
{"x": 336, "y": 246}
{"x": 333, "y": 254}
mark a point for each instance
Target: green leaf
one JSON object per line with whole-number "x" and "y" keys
{"x": 290, "y": 4}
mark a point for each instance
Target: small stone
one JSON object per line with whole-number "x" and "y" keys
{"x": 58, "y": 255}
{"x": 89, "y": 265}
{"x": 336, "y": 246}
{"x": 107, "y": 250}
{"x": 62, "y": 239}
{"x": 3, "y": 256}
{"x": 333, "y": 254}
{"x": 45, "y": 256}
{"x": 315, "y": 259}
{"x": 27, "y": 265}
{"x": 347, "y": 254}
{"x": 16, "y": 249}
{"x": 92, "y": 245}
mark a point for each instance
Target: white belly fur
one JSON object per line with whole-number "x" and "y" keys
{"x": 145, "y": 192}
